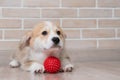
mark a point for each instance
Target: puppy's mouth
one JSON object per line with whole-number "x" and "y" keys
{"x": 53, "y": 49}
{"x": 54, "y": 46}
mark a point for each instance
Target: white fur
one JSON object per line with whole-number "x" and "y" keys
{"x": 38, "y": 44}
{"x": 48, "y": 24}
{"x": 68, "y": 66}
{"x": 14, "y": 63}
{"x": 37, "y": 56}
{"x": 35, "y": 67}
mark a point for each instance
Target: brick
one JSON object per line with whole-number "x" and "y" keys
{"x": 10, "y": 23}
{"x": 41, "y": 3}
{"x": 80, "y": 44}
{"x": 77, "y": 23}
{"x": 118, "y": 33}
{"x": 8, "y": 45}
{"x": 30, "y": 23}
{"x": 109, "y": 44}
{"x": 98, "y": 33}
{"x": 117, "y": 12}
{"x": 9, "y": 3}
{"x": 95, "y": 13}
{"x": 78, "y": 3}
{"x": 21, "y": 13}
{"x": 109, "y": 23}
{"x": 15, "y": 34}
{"x": 59, "y": 13}
{"x": 109, "y": 3}
{"x": 72, "y": 34}
{"x": 0, "y": 34}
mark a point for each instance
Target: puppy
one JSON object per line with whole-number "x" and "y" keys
{"x": 46, "y": 39}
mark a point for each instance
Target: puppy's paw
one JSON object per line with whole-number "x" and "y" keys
{"x": 36, "y": 68}
{"x": 68, "y": 68}
{"x": 14, "y": 64}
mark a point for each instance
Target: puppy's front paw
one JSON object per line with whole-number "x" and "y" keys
{"x": 68, "y": 68}
{"x": 14, "y": 64}
{"x": 37, "y": 68}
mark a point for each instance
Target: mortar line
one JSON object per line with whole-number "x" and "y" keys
{"x": 97, "y": 43}
{"x": 113, "y": 13}
{"x": 40, "y": 13}
{"x": 3, "y": 34}
{"x": 96, "y": 6}
{"x": 116, "y": 31}
{"x": 80, "y": 34}
{"x": 22, "y": 3}
{"x": 60, "y": 3}
{"x": 61, "y": 23}
{"x": 78, "y": 11}
{"x": 22, "y": 24}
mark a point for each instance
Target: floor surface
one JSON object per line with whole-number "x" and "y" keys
{"x": 83, "y": 71}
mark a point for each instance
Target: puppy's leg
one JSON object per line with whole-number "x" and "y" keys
{"x": 66, "y": 63}
{"x": 14, "y": 63}
{"x": 33, "y": 66}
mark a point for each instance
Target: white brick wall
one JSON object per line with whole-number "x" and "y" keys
{"x": 88, "y": 23}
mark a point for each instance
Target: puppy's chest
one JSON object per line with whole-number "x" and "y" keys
{"x": 38, "y": 57}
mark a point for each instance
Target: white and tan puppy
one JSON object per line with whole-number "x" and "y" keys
{"x": 46, "y": 39}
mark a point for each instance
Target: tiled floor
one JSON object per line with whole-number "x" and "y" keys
{"x": 89, "y": 65}
{"x": 82, "y": 71}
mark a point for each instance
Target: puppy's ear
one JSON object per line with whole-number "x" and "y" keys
{"x": 64, "y": 35}
{"x": 25, "y": 41}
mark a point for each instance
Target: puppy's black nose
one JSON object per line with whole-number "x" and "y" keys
{"x": 56, "y": 40}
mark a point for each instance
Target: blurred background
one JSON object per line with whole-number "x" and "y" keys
{"x": 87, "y": 23}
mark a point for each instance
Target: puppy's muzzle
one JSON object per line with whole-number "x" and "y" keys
{"x": 55, "y": 40}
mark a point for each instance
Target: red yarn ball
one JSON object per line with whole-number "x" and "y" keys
{"x": 52, "y": 64}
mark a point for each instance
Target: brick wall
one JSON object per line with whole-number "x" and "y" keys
{"x": 87, "y": 23}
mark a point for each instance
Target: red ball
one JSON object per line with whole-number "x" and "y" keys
{"x": 52, "y": 64}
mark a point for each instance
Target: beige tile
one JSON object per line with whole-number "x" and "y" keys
{"x": 15, "y": 34}
{"x": 10, "y": 23}
{"x": 83, "y": 70}
{"x": 59, "y": 13}
{"x": 95, "y": 13}
{"x": 78, "y": 23}
{"x": 1, "y": 34}
{"x": 30, "y": 23}
{"x": 110, "y": 44}
{"x": 118, "y": 33}
{"x": 21, "y": 13}
{"x": 41, "y": 3}
{"x": 9, "y": 3}
{"x": 72, "y": 34}
{"x": 8, "y": 45}
{"x": 98, "y": 33}
{"x": 78, "y": 3}
{"x": 109, "y": 23}
{"x": 109, "y": 3}
{"x": 80, "y": 44}
{"x": 117, "y": 12}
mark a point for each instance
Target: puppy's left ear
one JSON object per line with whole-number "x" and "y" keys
{"x": 25, "y": 41}
{"x": 63, "y": 34}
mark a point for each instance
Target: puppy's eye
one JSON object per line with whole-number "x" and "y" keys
{"x": 44, "y": 33}
{"x": 58, "y": 32}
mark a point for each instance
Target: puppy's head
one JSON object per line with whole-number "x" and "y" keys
{"x": 44, "y": 36}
